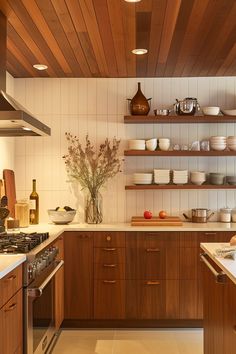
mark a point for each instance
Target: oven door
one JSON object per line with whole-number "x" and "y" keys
{"x": 40, "y": 311}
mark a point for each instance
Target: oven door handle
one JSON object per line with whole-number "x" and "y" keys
{"x": 37, "y": 292}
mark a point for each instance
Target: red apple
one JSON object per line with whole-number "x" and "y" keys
{"x": 147, "y": 214}
{"x": 162, "y": 214}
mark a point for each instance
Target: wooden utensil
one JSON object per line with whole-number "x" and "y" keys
{"x": 10, "y": 189}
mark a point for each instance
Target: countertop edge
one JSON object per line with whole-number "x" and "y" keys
{"x": 13, "y": 262}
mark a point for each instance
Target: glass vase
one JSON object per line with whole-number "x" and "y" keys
{"x": 93, "y": 208}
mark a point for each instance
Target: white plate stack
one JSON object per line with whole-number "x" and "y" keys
{"x": 142, "y": 178}
{"x": 231, "y": 143}
{"x": 180, "y": 176}
{"x": 136, "y": 144}
{"x": 161, "y": 176}
{"x": 218, "y": 143}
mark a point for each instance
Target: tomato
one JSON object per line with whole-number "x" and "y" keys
{"x": 147, "y": 214}
{"x": 163, "y": 214}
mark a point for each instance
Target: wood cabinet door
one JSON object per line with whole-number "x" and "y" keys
{"x": 59, "y": 299}
{"x": 109, "y": 299}
{"x": 78, "y": 275}
{"x": 230, "y": 318}
{"x": 11, "y": 325}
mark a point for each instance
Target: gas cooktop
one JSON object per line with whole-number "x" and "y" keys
{"x": 21, "y": 242}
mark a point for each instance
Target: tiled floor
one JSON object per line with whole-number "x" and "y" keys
{"x": 161, "y": 341}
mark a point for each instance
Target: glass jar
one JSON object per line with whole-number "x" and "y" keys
{"x": 225, "y": 214}
{"x": 22, "y": 212}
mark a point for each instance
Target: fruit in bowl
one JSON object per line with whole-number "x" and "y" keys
{"x": 62, "y": 216}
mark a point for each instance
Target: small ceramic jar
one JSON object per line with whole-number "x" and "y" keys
{"x": 225, "y": 214}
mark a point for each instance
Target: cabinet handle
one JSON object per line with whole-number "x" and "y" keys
{"x": 219, "y": 276}
{"x": 153, "y": 249}
{"x": 12, "y": 277}
{"x": 110, "y": 265}
{"x": 11, "y": 307}
{"x": 152, "y": 282}
{"x": 109, "y": 281}
{"x": 210, "y": 233}
{"x": 108, "y": 238}
{"x": 109, "y": 249}
{"x": 84, "y": 236}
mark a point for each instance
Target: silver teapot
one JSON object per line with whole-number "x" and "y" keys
{"x": 188, "y": 106}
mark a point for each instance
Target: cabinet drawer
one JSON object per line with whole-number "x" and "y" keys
{"x": 109, "y": 255}
{"x": 109, "y": 271}
{"x": 109, "y": 239}
{"x": 10, "y": 284}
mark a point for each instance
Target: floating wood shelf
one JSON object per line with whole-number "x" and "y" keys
{"x": 178, "y": 153}
{"x": 178, "y": 119}
{"x": 178, "y": 186}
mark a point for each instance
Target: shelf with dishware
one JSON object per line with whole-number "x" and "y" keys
{"x": 160, "y": 119}
{"x": 179, "y": 153}
{"x": 178, "y": 186}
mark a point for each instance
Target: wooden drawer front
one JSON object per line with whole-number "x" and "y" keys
{"x": 109, "y": 239}
{"x": 152, "y": 299}
{"x": 152, "y": 263}
{"x": 10, "y": 284}
{"x": 109, "y": 299}
{"x": 109, "y": 255}
{"x": 11, "y": 325}
{"x": 154, "y": 239}
{"x": 109, "y": 270}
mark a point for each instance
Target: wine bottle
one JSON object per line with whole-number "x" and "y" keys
{"x": 34, "y": 205}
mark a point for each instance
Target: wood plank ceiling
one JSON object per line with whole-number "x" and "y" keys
{"x": 94, "y": 38}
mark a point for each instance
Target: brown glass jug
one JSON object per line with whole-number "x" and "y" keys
{"x": 139, "y": 104}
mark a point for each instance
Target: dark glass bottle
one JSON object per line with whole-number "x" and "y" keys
{"x": 34, "y": 205}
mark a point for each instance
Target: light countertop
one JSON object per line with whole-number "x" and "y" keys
{"x": 10, "y": 262}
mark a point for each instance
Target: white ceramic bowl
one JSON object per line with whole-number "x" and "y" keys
{"x": 164, "y": 146}
{"x": 211, "y": 111}
{"x": 61, "y": 216}
{"x": 229, "y": 112}
{"x": 218, "y": 148}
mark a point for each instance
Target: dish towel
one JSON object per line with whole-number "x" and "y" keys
{"x": 226, "y": 252}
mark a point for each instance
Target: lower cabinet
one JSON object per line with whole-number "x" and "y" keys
{"x": 59, "y": 286}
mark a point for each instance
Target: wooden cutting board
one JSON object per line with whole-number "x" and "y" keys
{"x": 10, "y": 190}
{"x": 156, "y": 221}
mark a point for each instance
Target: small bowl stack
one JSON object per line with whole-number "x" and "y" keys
{"x": 164, "y": 144}
{"x": 151, "y": 144}
{"x": 161, "y": 176}
{"x": 197, "y": 177}
{"x": 231, "y": 180}
{"x": 211, "y": 111}
{"x": 231, "y": 143}
{"x": 180, "y": 176}
{"x": 218, "y": 143}
{"x": 216, "y": 178}
{"x": 142, "y": 178}
{"x": 136, "y": 144}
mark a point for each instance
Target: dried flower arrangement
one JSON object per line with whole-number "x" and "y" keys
{"x": 92, "y": 170}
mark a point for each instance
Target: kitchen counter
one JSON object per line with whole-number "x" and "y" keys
{"x": 228, "y": 266}
{"x": 10, "y": 262}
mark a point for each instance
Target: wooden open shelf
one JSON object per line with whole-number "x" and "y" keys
{"x": 178, "y": 119}
{"x": 178, "y": 186}
{"x": 179, "y": 153}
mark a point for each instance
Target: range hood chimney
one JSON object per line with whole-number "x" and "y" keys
{"x": 15, "y": 120}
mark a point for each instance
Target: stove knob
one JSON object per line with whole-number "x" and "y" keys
{"x": 30, "y": 271}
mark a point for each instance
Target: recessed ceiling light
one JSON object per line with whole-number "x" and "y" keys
{"x": 139, "y": 51}
{"x": 25, "y": 128}
{"x": 40, "y": 66}
{"x": 132, "y": 0}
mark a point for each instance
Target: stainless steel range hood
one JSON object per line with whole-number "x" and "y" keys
{"x": 15, "y": 120}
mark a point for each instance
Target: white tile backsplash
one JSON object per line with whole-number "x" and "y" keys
{"x": 97, "y": 107}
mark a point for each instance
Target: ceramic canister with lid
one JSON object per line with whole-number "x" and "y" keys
{"x": 225, "y": 214}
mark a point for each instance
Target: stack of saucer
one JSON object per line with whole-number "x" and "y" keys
{"x": 180, "y": 176}
{"x": 142, "y": 178}
{"x": 161, "y": 176}
{"x": 231, "y": 143}
{"x": 136, "y": 144}
{"x": 218, "y": 143}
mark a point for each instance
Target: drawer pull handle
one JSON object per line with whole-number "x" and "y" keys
{"x": 11, "y": 307}
{"x": 210, "y": 233}
{"x": 109, "y": 281}
{"x": 12, "y": 277}
{"x": 109, "y": 249}
{"x": 220, "y": 277}
{"x": 109, "y": 265}
{"x": 153, "y": 249}
{"x": 152, "y": 282}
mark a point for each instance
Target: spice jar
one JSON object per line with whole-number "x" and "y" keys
{"x": 225, "y": 214}
{"x": 22, "y": 212}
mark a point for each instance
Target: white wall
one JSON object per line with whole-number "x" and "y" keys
{"x": 7, "y": 145}
{"x": 97, "y": 107}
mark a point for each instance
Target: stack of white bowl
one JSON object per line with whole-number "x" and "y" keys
{"x": 164, "y": 144}
{"x": 180, "y": 176}
{"x": 197, "y": 177}
{"x": 231, "y": 142}
{"x": 218, "y": 143}
{"x": 151, "y": 144}
{"x": 142, "y": 178}
{"x": 136, "y": 144}
{"x": 161, "y": 176}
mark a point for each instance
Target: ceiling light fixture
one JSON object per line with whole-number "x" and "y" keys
{"x": 139, "y": 51}
{"x": 40, "y": 66}
{"x": 25, "y": 128}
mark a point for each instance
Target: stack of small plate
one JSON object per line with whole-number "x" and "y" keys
{"x": 136, "y": 144}
{"x": 231, "y": 142}
{"x": 218, "y": 143}
{"x": 161, "y": 176}
{"x": 180, "y": 176}
{"x": 142, "y": 178}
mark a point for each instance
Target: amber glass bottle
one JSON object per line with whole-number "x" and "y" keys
{"x": 34, "y": 205}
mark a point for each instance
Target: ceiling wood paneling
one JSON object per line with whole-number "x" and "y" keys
{"x": 94, "y": 38}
